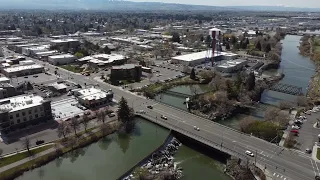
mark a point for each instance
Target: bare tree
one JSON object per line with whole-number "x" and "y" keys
{"x": 105, "y": 129}
{"x": 150, "y": 76}
{"x": 285, "y": 105}
{"x": 101, "y": 116}
{"x": 194, "y": 90}
{"x": 186, "y": 69}
{"x": 85, "y": 121}
{"x": 282, "y": 118}
{"x": 26, "y": 144}
{"x": 271, "y": 114}
{"x": 302, "y": 101}
{"x": 74, "y": 123}
{"x": 63, "y": 130}
{"x": 72, "y": 142}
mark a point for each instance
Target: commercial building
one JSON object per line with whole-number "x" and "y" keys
{"x": 22, "y": 111}
{"x": 58, "y": 87}
{"x": 67, "y": 42}
{"x": 16, "y": 71}
{"x": 197, "y": 58}
{"x": 9, "y": 90}
{"x": 4, "y": 80}
{"x": 101, "y": 60}
{"x": 44, "y": 55}
{"x": 18, "y": 48}
{"x": 61, "y": 59}
{"x": 126, "y": 72}
{"x": 232, "y": 66}
{"x": 93, "y": 97}
{"x": 31, "y": 51}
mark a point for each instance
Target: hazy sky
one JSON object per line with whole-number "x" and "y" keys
{"x": 291, "y": 3}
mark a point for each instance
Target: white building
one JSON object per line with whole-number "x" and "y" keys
{"x": 26, "y": 62}
{"x": 31, "y": 51}
{"x": 16, "y": 71}
{"x": 232, "y": 66}
{"x": 103, "y": 59}
{"x": 92, "y": 97}
{"x": 4, "y": 80}
{"x": 21, "y": 111}
{"x": 61, "y": 59}
{"x": 197, "y": 58}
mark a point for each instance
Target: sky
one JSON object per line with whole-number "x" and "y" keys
{"x": 290, "y": 3}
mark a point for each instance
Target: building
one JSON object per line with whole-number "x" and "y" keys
{"x": 61, "y": 59}
{"x": 44, "y": 55}
{"x": 18, "y": 48}
{"x": 65, "y": 42}
{"x": 93, "y": 97}
{"x": 58, "y": 87}
{"x": 31, "y": 51}
{"x": 4, "y": 80}
{"x": 16, "y": 71}
{"x": 101, "y": 60}
{"x": 232, "y": 66}
{"x": 21, "y": 111}
{"x": 126, "y": 72}
{"x": 12, "y": 89}
{"x": 197, "y": 58}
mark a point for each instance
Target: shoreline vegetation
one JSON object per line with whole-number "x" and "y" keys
{"x": 310, "y": 47}
{"x": 67, "y": 144}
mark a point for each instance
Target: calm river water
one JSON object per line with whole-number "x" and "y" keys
{"x": 112, "y": 156}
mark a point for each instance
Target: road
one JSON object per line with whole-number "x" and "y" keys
{"x": 282, "y": 163}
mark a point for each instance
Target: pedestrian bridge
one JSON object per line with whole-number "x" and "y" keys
{"x": 287, "y": 89}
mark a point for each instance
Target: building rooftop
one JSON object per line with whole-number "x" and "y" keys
{"x": 201, "y": 55}
{"x": 63, "y": 40}
{"x": 59, "y": 86}
{"x": 4, "y": 79}
{"x": 92, "y": 94}
{"x": 21, "y": 68}
{"x": 125, "y": 66}
{"x": 62, "y": 56}
{"x": 17, "y": 103}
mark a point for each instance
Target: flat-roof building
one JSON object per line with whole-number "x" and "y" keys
{"x": 232, "y": 66}
{"x": 126, "y": 72}
{"x": 61, "y": 42}
{"x": 197, "y": 58}
{"x": 16, "y": 71}
{"x": 21, "y": 111}
{"x": 93, "y": 97}
{"x": 103, "y": 59}
{"x": 61, "y": 59}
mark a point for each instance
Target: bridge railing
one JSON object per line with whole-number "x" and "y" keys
{"x": 217, "y": 145}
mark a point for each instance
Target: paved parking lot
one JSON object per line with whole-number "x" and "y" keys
{"x": 41, "y": 78}
{"x": 308, "y": 134}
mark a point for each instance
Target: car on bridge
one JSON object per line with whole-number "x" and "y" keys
{"x": 164, "y": 117}
{"x": 249, "y": 153}
{"x": 196, "y": 128}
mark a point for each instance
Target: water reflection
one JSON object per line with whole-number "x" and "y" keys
{"x": 105, "y": 142}
{"x": 123, "y": 141}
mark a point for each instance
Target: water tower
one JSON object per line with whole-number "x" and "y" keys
{"x": 215, "y": 35}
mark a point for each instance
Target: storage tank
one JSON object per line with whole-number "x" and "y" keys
{"x": 215, "y": 33}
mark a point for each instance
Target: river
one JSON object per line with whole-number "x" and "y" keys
{"x": 112, "y": 156}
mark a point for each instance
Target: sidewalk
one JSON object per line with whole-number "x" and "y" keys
{"x": 12, "y": 165}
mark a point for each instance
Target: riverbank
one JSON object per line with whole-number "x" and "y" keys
{"x": 310, "y": 47}
{"x": 61, "y": 147}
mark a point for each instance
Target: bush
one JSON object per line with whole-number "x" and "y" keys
{"x": 263, "y": 129}
{"x": 285, "y": 105}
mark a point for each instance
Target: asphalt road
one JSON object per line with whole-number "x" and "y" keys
{"x": 282, "y": 163}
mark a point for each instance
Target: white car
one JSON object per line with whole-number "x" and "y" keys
{"x": 295, "y": 127}
{"x": 141, "y": 112}
{"x": 164, "y": 117}
{"x": 249, "y": 153}
{"x": 196, "y": 128}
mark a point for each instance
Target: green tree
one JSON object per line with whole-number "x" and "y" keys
{"x": 106, "y": 50}
{"x": 258, "y": 46}
{"x": 268, "y": 48}
{"x": 250, "y": 81}
{"x": 125, "y": 113}
{"x": 193, "y": 74}
{"x": 176, "y": 37}
{"x": 233, "y": 40}
{"x": 79, "y": 55}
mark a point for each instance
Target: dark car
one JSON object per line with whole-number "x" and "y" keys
{"x": 317, "y": 178}
{"x": 38, "y": 142}
{"x": 150, "y": 107}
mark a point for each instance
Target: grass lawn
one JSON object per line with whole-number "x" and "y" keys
{"x": 318, "y": 153}
{"x": 17, "y": 157}
{"x": 72, "y": 68}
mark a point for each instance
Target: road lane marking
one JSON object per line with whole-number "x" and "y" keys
{"x": 313, "y": 168}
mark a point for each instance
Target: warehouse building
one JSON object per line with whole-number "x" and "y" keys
{"x": 16, "y": 71}
{"x": 197, "y": 58}
{"x": 61, "y": 59}
{"x": 101, "y": 60}
{"x": 93, "y": 97}
{"x": 22, "y": 111}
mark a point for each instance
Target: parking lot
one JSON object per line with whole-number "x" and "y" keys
{"x": 308, "y": 134}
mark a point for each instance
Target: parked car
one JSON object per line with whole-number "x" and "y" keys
{"x": 295, "y": 127}
{"x": 141, "y": 111}
{"x": 112, "y": 115}
{"x": 149, "y": 107}
{"x": 308, "y": 150}
{"x": 249, "y": 153}
{"x": 295, "y": 131}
